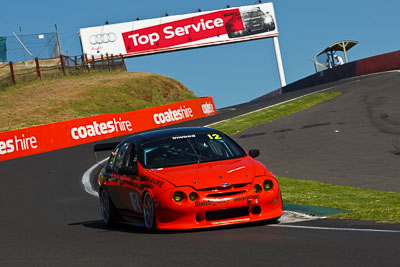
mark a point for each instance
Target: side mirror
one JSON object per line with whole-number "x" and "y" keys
{"x": 254, "y": 153}
{"x": 127, "y": 171}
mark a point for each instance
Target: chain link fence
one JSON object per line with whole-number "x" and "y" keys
{"x": 30, "y": 57}
{"x": 26, "y": 47}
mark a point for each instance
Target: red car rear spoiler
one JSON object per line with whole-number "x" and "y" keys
{"x": 103, "y": 147}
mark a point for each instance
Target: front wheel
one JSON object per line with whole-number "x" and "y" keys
{"x": 108, "y": 211}
{"x": 274, "y": 220}
{"x": 149, "y": 212}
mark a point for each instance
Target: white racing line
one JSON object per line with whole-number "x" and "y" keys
{"x": 335, "y": 228}
{"x": 326, "y": 89}
{"x": 86, "y": 179}
{"x": 290, "y": 217}
{"x": 294, "y": 217}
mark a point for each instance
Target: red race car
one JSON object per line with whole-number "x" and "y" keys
{"x": 185, "y": 178}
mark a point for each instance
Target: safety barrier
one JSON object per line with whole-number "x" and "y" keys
{"x": 379, "y": 63}
{"x": 44, "y": 138}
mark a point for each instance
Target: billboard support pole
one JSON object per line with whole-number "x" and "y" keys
{"x": 279, "y": 61}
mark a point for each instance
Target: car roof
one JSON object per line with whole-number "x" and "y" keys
{"x": 152, "y": 135}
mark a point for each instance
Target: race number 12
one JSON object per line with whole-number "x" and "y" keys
{"x": 214, "y": 136}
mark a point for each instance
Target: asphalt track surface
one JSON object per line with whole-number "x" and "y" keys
{"x": 47, "y": 219}
{"x": 353, "y": 139}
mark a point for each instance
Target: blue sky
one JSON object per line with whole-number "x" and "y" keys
{"x": 233, "y": 73}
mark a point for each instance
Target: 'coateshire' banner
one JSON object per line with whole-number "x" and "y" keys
{"x": 43, "y": 138}
{"x": 181, "y": 31}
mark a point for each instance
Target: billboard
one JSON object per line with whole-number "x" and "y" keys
{"x": 181, "y": 31}
{"x": 49, "y": 137}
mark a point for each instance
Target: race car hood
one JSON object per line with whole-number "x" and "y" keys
{"x": 213, "y": 174}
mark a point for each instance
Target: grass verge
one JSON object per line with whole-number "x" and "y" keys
{"x": 76, "y": 96}
{"x": 246, "y": 121}
{"x": 365, "y": 204}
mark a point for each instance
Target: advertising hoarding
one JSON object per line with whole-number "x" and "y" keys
{"x": 44, "y": 138}
{"x": 181, "y": 31}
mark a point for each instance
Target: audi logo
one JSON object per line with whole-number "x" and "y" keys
{"x": 102, "y": 38}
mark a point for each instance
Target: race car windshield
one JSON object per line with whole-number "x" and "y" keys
{"x": 188, "y": 149}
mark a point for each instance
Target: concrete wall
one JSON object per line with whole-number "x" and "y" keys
{"x": 384, "y": 62}
{"x": 379, "y": 63}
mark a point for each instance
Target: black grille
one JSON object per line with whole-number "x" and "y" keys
{"x": 226, "y": 214}
{"x": 225, "y": 194}
{"x": 220, "y": 188}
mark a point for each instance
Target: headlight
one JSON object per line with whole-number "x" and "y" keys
{"x": 193, "y": 196}
{"x": 178, "y": 196}
{"x": 257, "y": 188}
{"x": 268, "y": 184}
{"x": 268, "y": 20}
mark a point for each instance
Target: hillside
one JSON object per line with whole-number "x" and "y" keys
{"x": 71, "y": 97}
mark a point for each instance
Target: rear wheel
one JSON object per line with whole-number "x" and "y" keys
{"x": 149, "y": 212}
{"x": 108, "y": 211}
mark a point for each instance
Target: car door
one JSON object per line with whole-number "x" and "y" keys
{"x": 128, "y": 176}
{"x": 110, "y": 176}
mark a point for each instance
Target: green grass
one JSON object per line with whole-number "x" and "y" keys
{"x": 246, "y": 121}
{"x": 364, "y": 204}
{"x": 75, "y": 96}
{"x": 133, "y": 94}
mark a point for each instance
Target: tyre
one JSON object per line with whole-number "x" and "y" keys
{"x": 149, "y": 212}
{"x": 274, "y": 220}
{"x": 270, "y": 27}
{"x": 107, "y": 208}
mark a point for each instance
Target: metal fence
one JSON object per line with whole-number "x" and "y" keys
{"x": 5, "y": 75}
{"x": 13, "y": 73}
{"x": 19, "y": 47}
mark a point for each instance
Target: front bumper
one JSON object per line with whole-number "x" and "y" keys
{"x": 244, "y": 206}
